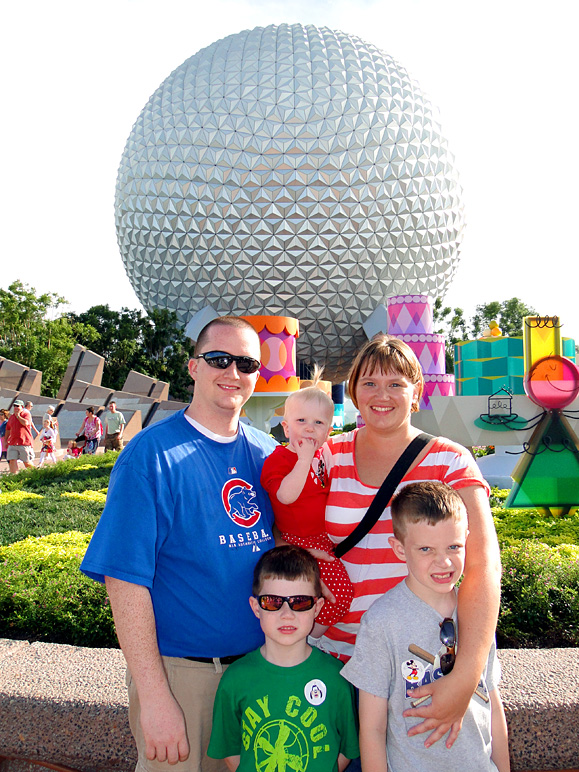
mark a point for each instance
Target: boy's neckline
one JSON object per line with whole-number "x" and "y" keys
{"x": 446, "y": 603}
{"x": 285, "y": 660}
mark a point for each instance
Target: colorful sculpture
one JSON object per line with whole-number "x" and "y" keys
{"x": 547, "y": 475}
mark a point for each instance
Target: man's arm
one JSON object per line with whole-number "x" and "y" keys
{"x": 499, "y": 733}
{"x": 478, "y": 607}
{"x": 162, "y": 719}
{"x": 24, "y": 420}
{"x": 373, "y": 723}
{"x": 232, "y": 762}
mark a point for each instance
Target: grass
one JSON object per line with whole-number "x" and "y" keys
{"x": 54, "y": 499}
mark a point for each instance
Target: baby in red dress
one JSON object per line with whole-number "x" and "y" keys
{"x": 295, "y": 478}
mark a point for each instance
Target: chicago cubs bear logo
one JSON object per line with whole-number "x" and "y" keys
{"x": 239, "y": 501}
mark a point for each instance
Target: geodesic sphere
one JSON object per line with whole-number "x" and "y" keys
{"x": 289, "y": 170}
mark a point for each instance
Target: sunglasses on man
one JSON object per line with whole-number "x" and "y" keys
{"x": 222, "y": 360}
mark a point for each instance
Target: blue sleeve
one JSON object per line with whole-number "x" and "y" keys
{"x": 125, "y": 541}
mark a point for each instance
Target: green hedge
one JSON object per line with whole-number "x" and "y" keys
{"x": 44, "y": 596}
{"x": 540, "y": 596}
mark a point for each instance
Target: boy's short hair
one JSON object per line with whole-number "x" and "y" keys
{"x": 309, "y": 394}
{"x": 429, "y": 501}
{"x": 288, "y": 562}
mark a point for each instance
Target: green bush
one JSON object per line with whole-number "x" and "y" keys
{"x": 540, "y": 596}
{"x": 44, "y": 596}
{"x": 512, "y": 525}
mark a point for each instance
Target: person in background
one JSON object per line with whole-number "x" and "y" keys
{"x": 19, "y": 438}
{"x": 28, "y": 406}
{"x": 91, "y": 430}
{"x": 48, "y": 439}
{"x": 114, "y": 428}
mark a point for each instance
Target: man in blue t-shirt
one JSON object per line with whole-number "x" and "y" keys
{"x": 184, "y": 524}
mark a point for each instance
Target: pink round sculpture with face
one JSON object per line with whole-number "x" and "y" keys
{"x": 553, "y": 382}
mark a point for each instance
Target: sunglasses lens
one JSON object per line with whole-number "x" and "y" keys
{"x": 447, "y": 662}
{"x": 447, "y": 633}
{"x": 301, "y": 602}
{"x": 270, "y": 602}
{"x": 222, "y": 361}
{"x": 247, "y": 365}
{"x": 217, "y": 359}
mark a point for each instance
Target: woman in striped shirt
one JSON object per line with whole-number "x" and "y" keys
{"x": 386, "y": 384}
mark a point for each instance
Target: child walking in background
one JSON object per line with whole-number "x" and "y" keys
{"x": 47, "y": 437}
{"x": 408, "y": 638}
{"x": 296, "y": 480}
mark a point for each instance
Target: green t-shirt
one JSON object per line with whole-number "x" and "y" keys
{"x": 114, "y": 421}
{"x": 284, "y": 718}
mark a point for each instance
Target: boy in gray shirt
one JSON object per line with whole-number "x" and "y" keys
{"x": 408, "y": 638}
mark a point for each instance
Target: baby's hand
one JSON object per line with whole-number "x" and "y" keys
{"x": 306, "y": 449}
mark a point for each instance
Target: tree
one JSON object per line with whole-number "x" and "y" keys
{"x": 152, "y": 344}
{"x": 454, "y": 328}
{"x": 30, "y": 336}
{"x": 508, "y": 315}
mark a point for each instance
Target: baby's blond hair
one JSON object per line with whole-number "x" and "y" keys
{"x": 311, "y": 393}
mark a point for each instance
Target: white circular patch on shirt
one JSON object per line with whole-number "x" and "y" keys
{"x": 315, "y": 691}
{"x": 412, "y": 671}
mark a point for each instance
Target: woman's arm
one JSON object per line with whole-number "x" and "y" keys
{"x": 478, "y": 606}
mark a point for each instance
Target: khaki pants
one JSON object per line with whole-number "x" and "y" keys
{"x": 113, "y": 442}
{"x": 193, "y": 685}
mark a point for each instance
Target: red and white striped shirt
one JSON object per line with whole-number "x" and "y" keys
{"x": 372, "y": 565}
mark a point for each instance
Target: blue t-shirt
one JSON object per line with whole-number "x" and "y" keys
{"x": 187, "y": 518}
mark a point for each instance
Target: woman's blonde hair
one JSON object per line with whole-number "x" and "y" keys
{"x": 389, "y": 355}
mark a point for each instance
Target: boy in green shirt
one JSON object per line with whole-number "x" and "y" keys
{"x": 285, "y": 705}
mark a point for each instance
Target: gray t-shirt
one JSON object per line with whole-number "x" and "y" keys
{"x": 382, "y": 665}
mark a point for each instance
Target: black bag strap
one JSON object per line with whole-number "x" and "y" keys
{"x": 384, "y": 494}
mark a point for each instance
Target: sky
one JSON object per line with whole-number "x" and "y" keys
{"x": 502, "y": 73}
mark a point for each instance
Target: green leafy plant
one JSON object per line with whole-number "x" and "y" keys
{"x": 44, "y": 596}
{"x": 540, "y": 596}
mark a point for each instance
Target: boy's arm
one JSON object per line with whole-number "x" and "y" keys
{"x": 499, "y": 733}
{"x": 293, "y": 483}
{"x": 232, "y": 762}
{"x": 373, "y": 722}
{"x": 478, "y": 606}
{"x": 342, "y": 762}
